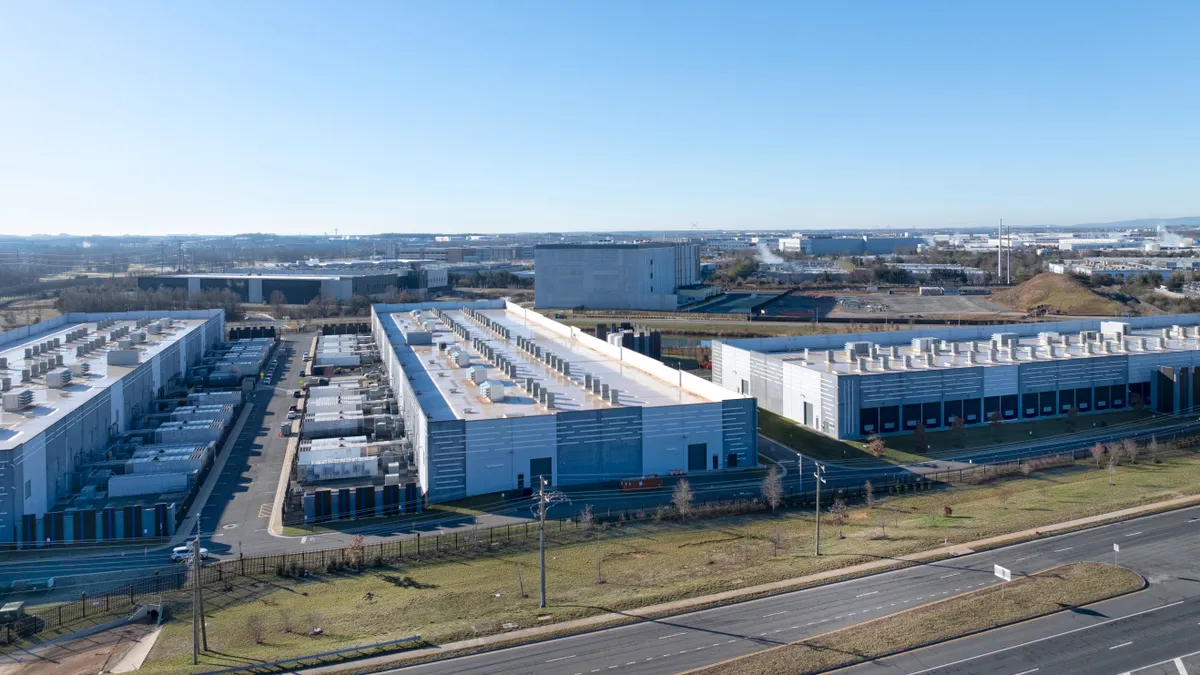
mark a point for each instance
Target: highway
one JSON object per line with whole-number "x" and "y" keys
{"x": 1164, "y": 548}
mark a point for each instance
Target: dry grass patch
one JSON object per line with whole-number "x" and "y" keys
{"x": 1024, "y": 598}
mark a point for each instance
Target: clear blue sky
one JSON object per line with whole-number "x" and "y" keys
{"x": 225, "y": 117}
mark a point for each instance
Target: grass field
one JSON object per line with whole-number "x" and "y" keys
{"x": 901, "y": 449}
{"x": 1024, "y": 598}
{"x": 1058, "y": 294}
{"x": 634, "y": 564}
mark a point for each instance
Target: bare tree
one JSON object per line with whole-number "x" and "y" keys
{"x": 772, "y": 488}
{"x": 875, "y": 446}
{"x": 996, "y": 420}
{"x": 257, "y": 628}
{"x": 1097, "y": 451}
{"x": 881, "y": 518}
{"x": 356, "y": 551}
{"x": 1153, "y": 448}
{"x": 1114, "y": 459}
{"x": 1130, "y": 449}
{"x": 869, "y": 494}
{"x": 919, "y": 440}
{"x": 778, "y": 539}
{"x": 277, "y": 300}
{"x": 285, "y": 617}
{"x": 959, "y": 428}
{"x": 587, "y": 519}
{"x": 520, "y": 581}
{"x": 599, "y": 561}
{"x": 947, "y": 510}
{"x": 1072, "y": 416}
{"x": 1137, "y": 402}
{"x": 838, "y": 513}
{"x": 682, "y": 498}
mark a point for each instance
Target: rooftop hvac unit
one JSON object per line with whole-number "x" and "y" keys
{"x": 492, "y": 390}
{"x": 3, "y": 363}
{"x": 1114, "y": 327}
{"x": 477, "y": 374}
{"x": 1089, "y": 335}
{"x": 26, "y": 374}
{"x": 18, "y": 400}
{"x": 1005, "y": 339}
{"x": 923, "y": 345}
{"x": 58, "y": 378}
{"x": 5, "y": 383}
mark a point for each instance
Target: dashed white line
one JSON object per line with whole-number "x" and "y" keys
{"x": 303, "y": 540}
{"x": 561, "y": 658}
{"x": 1060, "y": 550}
{"x": 1027, "y": 672}
{"x": 863, "y": 595}
{"x": 1123, "y": 644}
{"x": 671, "y": 635}
{"x": 1133, "y": 534}
{"x": 774, "y": 614}
{"x": 947, "y": 576}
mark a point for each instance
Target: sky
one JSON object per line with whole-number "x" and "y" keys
{"x": 401, "y": 116}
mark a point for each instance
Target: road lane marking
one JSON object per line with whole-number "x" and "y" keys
{"x": 947, "y": 576}
{"x": 1133, "y": 534}
{"x": 303, "y": 540}
{"x": 561, "y": 658}
{"x": 774, "y": 614}
{"x": 1060, "y": 550}
{"x": 863, "y": 595}
{"x": 672, "y": 635}
{"x": 1027, "y": 672}
{"x": 1043, "y": 639}
{"x": 1179, "y": 665}
{"x": 1123, "y": 644}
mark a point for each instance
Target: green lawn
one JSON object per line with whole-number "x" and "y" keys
{"x": 901, "y": 449}
{"x": 634, "y": 564}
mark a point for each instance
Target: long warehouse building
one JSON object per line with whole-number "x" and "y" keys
{"x": 494, "y": 396}
{"x": 73, "y": 383}
{"x": 851, "y": 386}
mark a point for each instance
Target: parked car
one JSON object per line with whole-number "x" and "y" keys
{"x": 296, "y": 394}
{"x": 292, "y": 414}
{"x": 184, "y": 553}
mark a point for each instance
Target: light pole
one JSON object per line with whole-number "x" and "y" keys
{"x": 817, "y": 475}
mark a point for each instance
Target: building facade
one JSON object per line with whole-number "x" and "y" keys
{"x": 614, "y": 276}
{"x": 53, "y": 425}
{"x": 494, "y": 396}
{"x": 854, "y": 385}
{"x": 296, "y": 288}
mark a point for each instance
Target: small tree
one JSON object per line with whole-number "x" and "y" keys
{"x": 947, "y": 510}
{"x": 869, "y": 494}
{"x": 777, "y": 541}
{"x": 257, "y": 628}
{"x": 1097, "y": 451}
{"x": 959, "y": 428}
{"x": 277, "y": 300}
{"x": 919, "y": 436}
{"x": 881, "y": 518}
{"x": 587, "y": 519}
{"x": 1153, "y": 448}
{"x": 838, "y": 513}
{"x": 599, "y": 562}
{"x": 356, "y": 551}
{"x": 772, "y": 488}
{"x": 520, "y": 581}
{"x": 1072, "y": 417}
{"x": 1130, "y": 449}
{"x": 1114, "y": 458}
{"x": 682, "y": 497}
{"x": 995, "y": 420}
{"x": 1137, "y": 402}
{"x": 875, "y": 446}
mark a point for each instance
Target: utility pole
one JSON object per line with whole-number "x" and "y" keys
{"x": 1000, "y": 252}
{"x": 179, "y": 257}
{"x": 162, "y": 258}
{"x": 199, "y": 630}
{"x": 542, "y": 537}
{"x": 817, "y": 475}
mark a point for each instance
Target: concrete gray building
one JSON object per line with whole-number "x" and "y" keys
{"x": 68, "y": 390}
{"x": 297, "y": 288}
{"x": 866, "y": 245}
{"x": 494, "y": 395}
{"x": 854, "y": 385}
{"x": 614, "y": 276}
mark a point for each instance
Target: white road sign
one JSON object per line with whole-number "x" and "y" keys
{"x": 1002, "y": 572}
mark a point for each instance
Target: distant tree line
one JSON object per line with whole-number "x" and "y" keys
{"x": 121, "y": 295}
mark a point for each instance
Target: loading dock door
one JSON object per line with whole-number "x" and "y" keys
{"x": 541, "y": 467}
{"x": 697, "y": 456}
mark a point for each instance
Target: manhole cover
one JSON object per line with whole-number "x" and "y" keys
{"x": 229, "y": 526}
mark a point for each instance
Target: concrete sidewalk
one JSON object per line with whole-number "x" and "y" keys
{"x": 728, "y": 597}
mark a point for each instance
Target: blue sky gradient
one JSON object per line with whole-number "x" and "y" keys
{"x": 225, "y": 117}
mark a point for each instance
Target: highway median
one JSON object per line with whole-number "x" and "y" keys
{"x": 1024, "y": 598}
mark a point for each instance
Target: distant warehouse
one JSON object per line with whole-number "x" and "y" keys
{"x": 495, "y": 396}
{"x": 855, "y": 385}
{"x": 297, "y": 289}
{"x": 614, "y": 276}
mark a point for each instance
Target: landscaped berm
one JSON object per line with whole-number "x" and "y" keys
{"x": 1054, "y": 590}
{"x": 1050, "y": 293}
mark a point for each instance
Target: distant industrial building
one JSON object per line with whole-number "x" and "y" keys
{"x": 855, "y": 385}
{"x": 73, "y": 384}
{"x": 301, "y": 286}
{"x": 1125, "y": 268}
{"x": 495, "y": 396}
{"x": 865, "y": 245}
{"x": 614, "y": 276}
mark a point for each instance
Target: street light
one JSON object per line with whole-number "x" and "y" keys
{"x": 817, "y": 474}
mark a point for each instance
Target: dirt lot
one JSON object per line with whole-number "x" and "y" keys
{"x": 917, "y": 306}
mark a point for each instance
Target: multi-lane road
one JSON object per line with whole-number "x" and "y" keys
{"x": 1116, "y": 636}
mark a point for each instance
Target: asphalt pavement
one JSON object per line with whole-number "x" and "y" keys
{"x": 1162, "y": 547}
